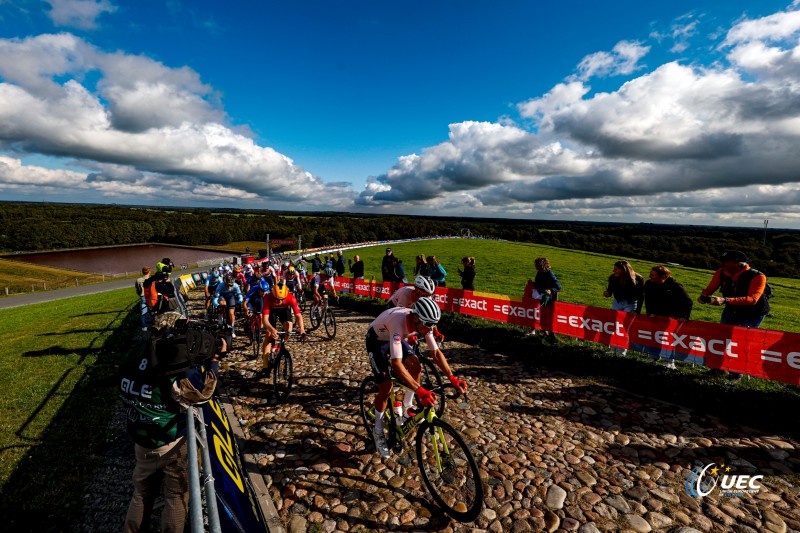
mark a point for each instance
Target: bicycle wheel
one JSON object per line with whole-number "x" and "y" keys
{"x": 301, "y": 301}
{"x": 366, "y": 402}
{"x": 258, "y": 338}
{"x": 282, "y": 377}
{"x": 316, "y": 316}
{"x": 449, "y": 470}
{"x": 431, "y": 379}
{"x": 330, "y": 324}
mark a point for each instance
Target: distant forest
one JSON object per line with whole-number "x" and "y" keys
{"x": 46, "y": 226}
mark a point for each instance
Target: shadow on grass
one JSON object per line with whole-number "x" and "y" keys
{"x": 44, "y": 492}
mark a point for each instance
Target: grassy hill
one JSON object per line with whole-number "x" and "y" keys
{"x": 504, "y": 268}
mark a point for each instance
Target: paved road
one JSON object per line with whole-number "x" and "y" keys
{"x": 82, "y": 290}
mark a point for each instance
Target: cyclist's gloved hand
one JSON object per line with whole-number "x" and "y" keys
{"x": 426, "y": 397}
{"x": 459, "y": 384}
{"x": 303, "y": 336}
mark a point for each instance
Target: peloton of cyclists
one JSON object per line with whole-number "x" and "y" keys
{"x": 390, "y": 354}
{"x": 230, "y": 293}
{"x": 281, "y": 306}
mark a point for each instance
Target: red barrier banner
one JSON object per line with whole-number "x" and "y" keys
{"x": 763, "y": 353}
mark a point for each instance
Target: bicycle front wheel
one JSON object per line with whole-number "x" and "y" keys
{"x": 431, "y": 379}
{"x": 449, "y": 470}
{"x": 282, "y": 376}
{"x": 366, "y": 402}
{"x": 301, "y": 301}
{"x": 316, "y": 317}
{"x": 330, "y": 324}
{"x": 258, "y": 339}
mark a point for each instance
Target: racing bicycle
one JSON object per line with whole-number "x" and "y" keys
{"x": 321, "y": 314}
{"x": 280, "y": 366}
{"x": 255, "y": 333}
{"x": 445, "y": 461}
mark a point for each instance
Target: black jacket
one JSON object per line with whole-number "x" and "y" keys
{"x": 667, "y": 299}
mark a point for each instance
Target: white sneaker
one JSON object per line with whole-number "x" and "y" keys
{"x": 233, "y": 335}
{"x": 380, "y": 443}
{"x": 669, "y": 364}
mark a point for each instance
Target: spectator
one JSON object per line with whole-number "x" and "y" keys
{"x": 626, "y": 287}
{"x": 663, "y": 296}
{"x": 436, "y": 271}
{"x": 157, "y": 423}
{"x": 468, "y": 274}
{"x": 545, "y": 289}
{"x": 386, "y": 266}
{"x": 329, "y": 263}
{"x": 421, "y": 267}
{"x": 398, "y": 271}
{"x": 166, "y": 262}
{"x": 139, "y": 286}
{"x": 339, "y": 265}
{"x": 357, "y": 268}
{"x": 316, "y": 264}
{"x": 742, "y": 291}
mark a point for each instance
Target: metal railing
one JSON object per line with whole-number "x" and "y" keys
{"x": 198, "y": 436}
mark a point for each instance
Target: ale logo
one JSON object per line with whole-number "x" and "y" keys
{"x": 704, "y": 479}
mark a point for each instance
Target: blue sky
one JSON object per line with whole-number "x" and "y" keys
{"x": 624, "y": 111}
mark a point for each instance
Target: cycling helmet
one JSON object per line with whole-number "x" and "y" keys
{"x": 291, "y": 269}
{"x": 427, "y": 311}
{"x": 228, "y": 279}
{"x": 330, "y": 272}
{"x": 286, "y": 264}
{"x": 263, "y": 285}
{"x": 425, "y": 284}
{"x": 280, "y": 290}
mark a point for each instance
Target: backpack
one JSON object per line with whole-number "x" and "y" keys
{"x": 768, "y": 293}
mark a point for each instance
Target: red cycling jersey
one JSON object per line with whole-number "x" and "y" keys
{"x": 271, "y": 303}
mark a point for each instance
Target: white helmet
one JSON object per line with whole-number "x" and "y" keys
{"x": 427, "y": 311}
{"x": 425, "y": 284}
{"x": 330, "y": 272}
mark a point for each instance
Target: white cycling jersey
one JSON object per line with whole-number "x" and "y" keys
{"x": 393, "y": 326}
{"x": 404, "y": 296}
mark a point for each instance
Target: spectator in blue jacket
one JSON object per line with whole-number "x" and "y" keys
{"x": 436, "y": 271}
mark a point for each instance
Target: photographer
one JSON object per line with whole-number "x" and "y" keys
{"x": 178, "y": 370}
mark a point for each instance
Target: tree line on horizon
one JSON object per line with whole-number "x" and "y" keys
{"x": 47, "y": 226}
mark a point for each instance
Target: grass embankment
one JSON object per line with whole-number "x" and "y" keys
{"x": 504, "y": 268}
{"x": 22, "y": 277}
{"x": 59, "y": 365}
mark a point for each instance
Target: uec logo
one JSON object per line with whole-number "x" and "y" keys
{"x": 699, "y": 484}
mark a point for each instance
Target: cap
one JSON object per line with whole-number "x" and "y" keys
{"x": 733, "y": 255}
{"x": 388, "y": 249}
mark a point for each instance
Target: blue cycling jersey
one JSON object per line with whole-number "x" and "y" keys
{"x": 224, "y": 292}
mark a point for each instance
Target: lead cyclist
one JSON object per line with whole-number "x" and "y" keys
{"x": 388, "y": 349}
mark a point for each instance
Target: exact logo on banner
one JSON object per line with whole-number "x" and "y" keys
{"x": 704, "y": 479}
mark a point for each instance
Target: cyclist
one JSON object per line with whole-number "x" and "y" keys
{"x": 254, "y": 300}
{"x": 212, "y": 282}
{"x": 408, "y": 295}
{"x": 231, "y": 294}
{"x": 293, "y": 280}
{"x": 239, "y": 278}
{"x": 318, "y": 284}
{"x": 279, "y": 305}
{"x": 389, "y": 353}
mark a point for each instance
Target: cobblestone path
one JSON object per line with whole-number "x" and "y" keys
{"x": 558, "y": 453}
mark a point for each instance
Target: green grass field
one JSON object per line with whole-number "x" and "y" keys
{"x": 505, "y": 267}
{"x": 58, "y": 368}
{"x": 20, "y": 277}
